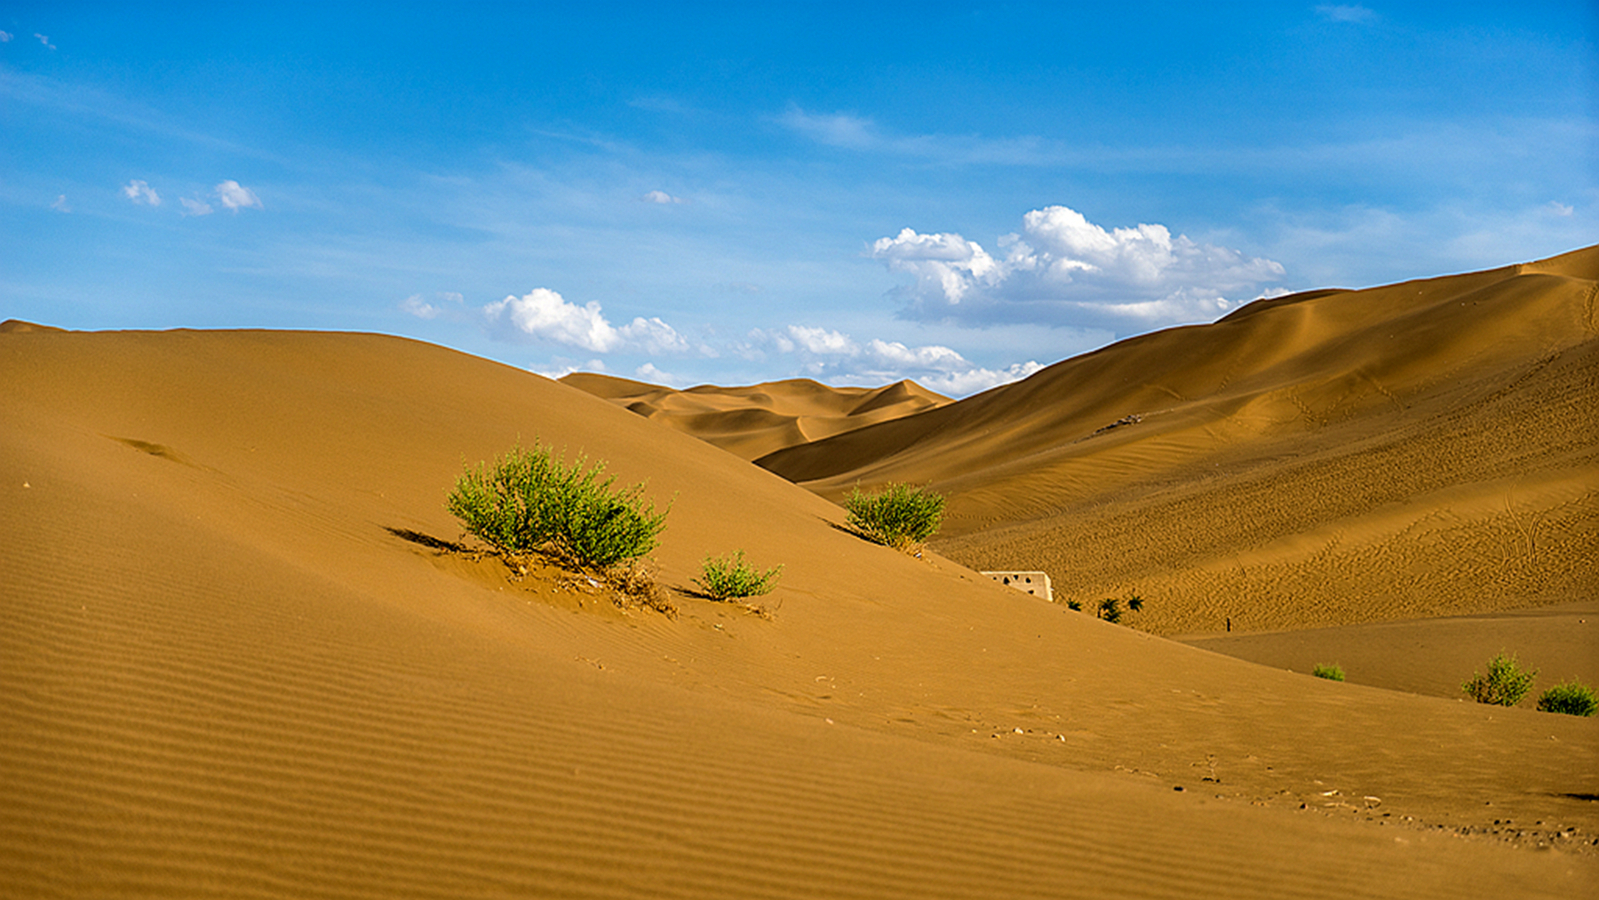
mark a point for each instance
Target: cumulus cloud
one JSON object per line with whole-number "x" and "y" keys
{"x": 1346, "y": 13}
{"x": 651, "y": 373}
{"x": 545, "y": 315}
{"x": 236, "y": 197}
{"x": 194, "y": 207}
{"x": 560, "y": 368}
{"x": 1062, "y": 269}
{"x": 661, "y": 197}
{"x": 141, "y": 192}
{"x": 838, "y": 358}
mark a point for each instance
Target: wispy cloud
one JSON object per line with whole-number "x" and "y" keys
{"x": 837, "y": 358}
{"x": 1062, "y": 269}
{"x": 662, "y": 198}
{"x": 1346, "y": 13}
{"x": 139, "y": 191}
{"x": 44, "y": 40}
{"x": 852, "y": 132}
{"x": 448, "y": 301}
{"x": 5, "y": 37}
{"x": 61, "y": 204}
{"x": 194, "y": 207}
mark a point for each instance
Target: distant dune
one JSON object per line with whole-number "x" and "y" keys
{"x": 239, "y": 659}
{"x": 1332, "y": 457}
{"x": 751, "y": 422}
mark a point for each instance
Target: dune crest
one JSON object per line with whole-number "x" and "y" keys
{"x": 1330, "y": 457}
{"x": 753, "y": 421}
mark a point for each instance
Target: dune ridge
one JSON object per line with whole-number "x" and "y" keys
{"x": 1325, "y": 458}
{"x": 757, "y": 420}
{"x": 228, "y": 672}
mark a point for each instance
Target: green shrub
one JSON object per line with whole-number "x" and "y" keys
{"x": 1332, "y": 672}
{"x": 1572, "y": 698}
{"x": 1134, "y": 603}
{"x": 730, "y": 576}
{"x": 1504, "y": 685}
{"x": 1074, "y": 604}
{"x": 530, "y": 501}
{"x": 901, "y": 516}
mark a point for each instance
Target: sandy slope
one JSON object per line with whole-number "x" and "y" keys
{"x": 226, "y": 675}
{"x": 1334, "y": 457}
{"x": 1434, "y": 656}
{"x": 751, "y": 422}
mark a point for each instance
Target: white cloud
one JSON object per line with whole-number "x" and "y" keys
{"x": 44, "y": 40}
{"x": 236, "y": 197}
{"x": 1346, "y": 13}
{"x": 837, "y": 358}
{"x": 838, "y": 130}
{"x": 1064, "y": 270}
{"x": 422, "y": 309}
{"x": 851, "y": 132}
{"x": 5, "y": 37}
{"x": 141, "y": 192}
{"x": 821, "y": 341}
{"x": 193, "y": 207}
{"x": 977, "y": 380}
{"x": 545, "y": 315}
{"x": 1560, "y": 209}
{"x": 661, "y": 197}
{"x": 650, "y": 373}
{"x": 61, "y": 204}
{"x": 561, "y": 368}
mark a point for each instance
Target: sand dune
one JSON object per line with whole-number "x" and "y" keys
{"x": 751, "y": 422}
{"x": 1333, "y": 457}
{"x": 230, "y": 672}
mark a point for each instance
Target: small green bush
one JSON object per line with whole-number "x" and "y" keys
{"x": 1074, "y": 604}
{"x": 530, "y": 501}
{"x": 901, "y": 516}
{"x": 1332, "y": 672}
{"x": 1572, "y": 698}
{"x": 727, "y": 577}
{"x": 1504, "y": 685}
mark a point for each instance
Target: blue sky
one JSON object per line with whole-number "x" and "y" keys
{"x": 733, "y": 193}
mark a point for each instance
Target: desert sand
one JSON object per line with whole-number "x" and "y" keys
{"x": 240, "y": 659}
{"x": 1327, "y": 458}
{"x": 751, "y": 422}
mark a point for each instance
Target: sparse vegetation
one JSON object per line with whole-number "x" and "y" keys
{"x": 1331, "y": 672}
{"x": 727, "y": 577}
{"x": 1573, "y": 698}
{"x": 530, "y": 501}
{"x": 1110, "y": 609}
{"x": 901, "y": 516}
{"x": 1504, "y": 685}
{"x": 1076, "y": 605}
